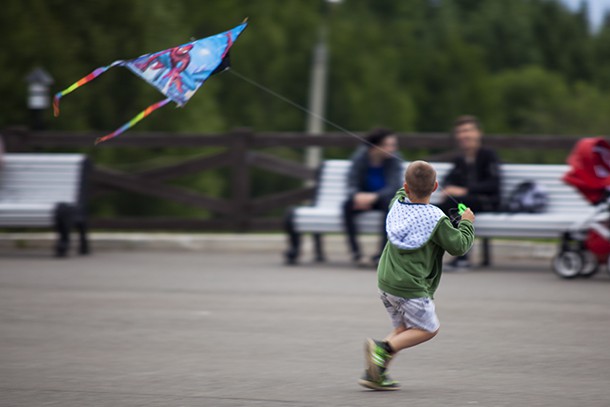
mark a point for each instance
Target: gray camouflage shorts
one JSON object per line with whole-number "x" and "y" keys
{"x": 417, "y": 313}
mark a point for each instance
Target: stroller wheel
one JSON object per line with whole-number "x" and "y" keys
{"x": 590, "y": 266}
{"x": 568, "y": 264}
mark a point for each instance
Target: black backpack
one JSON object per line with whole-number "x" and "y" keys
{"x": 528, "y": 197}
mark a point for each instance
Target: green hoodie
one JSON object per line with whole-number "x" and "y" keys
{"x": 418, "y": 236}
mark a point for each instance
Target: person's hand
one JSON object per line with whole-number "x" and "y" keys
{"x": 452, "y": 190}
{"x": 468, "y": 215}
{"x": 363, "y": 201}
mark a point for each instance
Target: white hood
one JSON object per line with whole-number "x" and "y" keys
{"x": 410, "y": 225}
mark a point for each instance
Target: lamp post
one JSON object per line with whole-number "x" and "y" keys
{"x": 317, "y": 89}
{"x": 38, "y": 81}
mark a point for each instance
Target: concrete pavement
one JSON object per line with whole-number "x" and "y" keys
{"x": 272, "y": 243}
{"x": 211, "y": 328}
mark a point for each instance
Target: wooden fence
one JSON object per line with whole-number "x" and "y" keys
{"x": 241, "y": 211}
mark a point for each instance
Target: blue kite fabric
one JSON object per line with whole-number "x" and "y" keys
{"x": 176, "y": 72}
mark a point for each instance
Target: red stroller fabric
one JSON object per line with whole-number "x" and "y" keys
{"x": 598, "y": 245}
{"x": 590, "y": 168}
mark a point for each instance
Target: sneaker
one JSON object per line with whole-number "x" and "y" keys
{"x": 359, "y": 261}
{"x": 386, "y": 383}
{"x": 377, "y": 359}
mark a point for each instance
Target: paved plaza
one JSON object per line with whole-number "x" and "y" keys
{"x": 213, "y": 328}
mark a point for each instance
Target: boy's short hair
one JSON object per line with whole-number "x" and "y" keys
{"x": 375, "y": 137}
{"x": 420, "y": 177}
{"x": 467, "y": 119}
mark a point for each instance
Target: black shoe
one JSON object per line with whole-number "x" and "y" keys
{"x": 458, "y": 264}
{"x": 359, "y": 261}
{"x": 290, "y": 257}
{"x": 375, "y": 260}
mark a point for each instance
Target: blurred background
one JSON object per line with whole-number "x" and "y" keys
{"x": 538, "y": 67}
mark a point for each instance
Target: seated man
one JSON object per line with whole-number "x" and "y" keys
{"x": 373, "y": 179}
{"x": 474, "y": 179}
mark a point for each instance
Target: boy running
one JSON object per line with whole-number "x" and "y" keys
{"x": 410, "y": 269}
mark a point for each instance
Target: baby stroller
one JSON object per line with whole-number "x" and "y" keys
{"x": 586, "y": 245}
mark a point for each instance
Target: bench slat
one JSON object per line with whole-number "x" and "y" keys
{"x": 31, "y": 185}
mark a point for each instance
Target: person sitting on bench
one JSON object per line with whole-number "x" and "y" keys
{"x": 474, "y": 179}
{"x": 373, "y": 179}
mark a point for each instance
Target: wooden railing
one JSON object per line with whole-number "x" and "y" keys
{"x": 241, "y": 211}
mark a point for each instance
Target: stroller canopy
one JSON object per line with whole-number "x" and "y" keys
{"x": 590, "y": 168}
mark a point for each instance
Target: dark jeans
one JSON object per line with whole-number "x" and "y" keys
{"x": 349, "y": 222}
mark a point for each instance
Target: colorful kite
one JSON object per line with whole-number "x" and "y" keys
{"x": 176, "y": 72}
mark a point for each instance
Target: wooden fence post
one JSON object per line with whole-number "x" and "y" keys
{"x": 16, "y": 139}
{"x": 240, "y": 179}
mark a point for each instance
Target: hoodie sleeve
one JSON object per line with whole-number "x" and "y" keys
{"x": 456, "y": 241}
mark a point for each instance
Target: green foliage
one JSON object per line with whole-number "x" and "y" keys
{"x": 537, "y": 101}
{"x": 411, "y": 65}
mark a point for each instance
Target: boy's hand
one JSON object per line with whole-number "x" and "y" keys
{"x": 468, "y": 215}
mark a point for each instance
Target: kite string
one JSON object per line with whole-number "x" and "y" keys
{"x": 325, "y": 120}
{"x": 309, "y": 112}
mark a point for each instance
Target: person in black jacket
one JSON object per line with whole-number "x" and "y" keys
{"x": 475, "y": 177}
{"x": 373, "y": 179}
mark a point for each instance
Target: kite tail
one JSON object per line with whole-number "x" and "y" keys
{"x": 133, "y": 121}
{"x": 80, "y": 83}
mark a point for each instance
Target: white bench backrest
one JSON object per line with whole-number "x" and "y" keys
{"x": 563, "y": 198}
{"x": 40, "y": 178}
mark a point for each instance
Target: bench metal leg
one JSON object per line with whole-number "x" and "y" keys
{"x": 291, "y": 255}
{"x": 82, "y": 229}
{"x": 319, "y": 247}
{"x": 64, "y": 220}
{"x": 486, "y": 252}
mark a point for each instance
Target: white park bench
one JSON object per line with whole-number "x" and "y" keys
{"x": 41, "y": 190}
{"x": 565, "y": 207}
